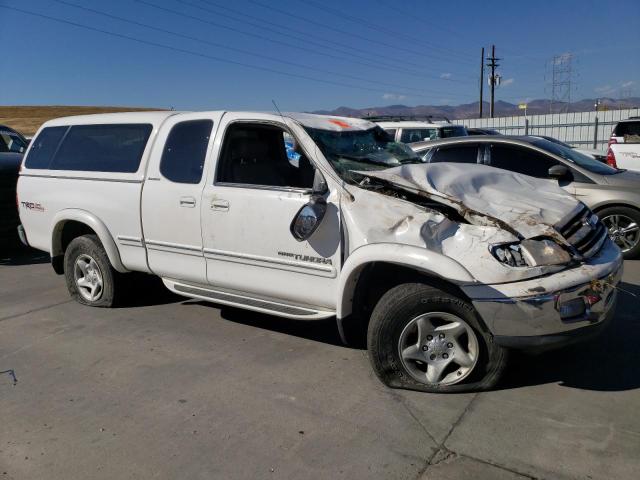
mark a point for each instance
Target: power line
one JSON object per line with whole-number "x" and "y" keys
{"x": 401, "y": 64}
{"x": 238, "y": 50}
{"x": 344, "y": 32}
{"x": 186, "y": 51}
{"x": 280, "y": 42}
{"x": 375, "y": 27}
{"x": 422, "y": 21}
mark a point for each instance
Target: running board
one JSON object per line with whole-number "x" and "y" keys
{"x": 236, "y": 299}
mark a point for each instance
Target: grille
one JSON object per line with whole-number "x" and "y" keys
{"x": 585, "y": 232}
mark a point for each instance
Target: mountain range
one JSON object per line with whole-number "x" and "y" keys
{"x": 470, "y": 110}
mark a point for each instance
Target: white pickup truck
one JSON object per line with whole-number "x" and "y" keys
{"x": 444, "y": 267}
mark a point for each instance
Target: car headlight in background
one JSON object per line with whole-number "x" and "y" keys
{"x": 531, "y": 253}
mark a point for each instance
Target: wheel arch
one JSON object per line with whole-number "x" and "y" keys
{"x": 602, "y": 206}
{"x": 372, "y": 270}
{"x": 71, "y": 223}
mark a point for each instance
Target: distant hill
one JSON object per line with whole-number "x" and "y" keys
{"x": 470, "y": 110}
{"x": 27, "y": 119}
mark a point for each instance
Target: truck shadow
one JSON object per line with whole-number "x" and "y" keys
{"x": 323, "y": 331}
{"x": 15, "y": 256}
{"x": 609, "y": 362}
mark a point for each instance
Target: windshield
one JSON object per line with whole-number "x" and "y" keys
{"x": 556, "y": 141}
{"x": 454, "y": 131}
{"x": 10, "y": 142}
{"x": 580, "y": 159}
{"x": 353, "y": 150}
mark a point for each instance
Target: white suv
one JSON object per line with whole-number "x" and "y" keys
{"x": 624, "y": 145}
{"x": 415, "y": 131}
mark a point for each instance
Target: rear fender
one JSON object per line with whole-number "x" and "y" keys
{"x": 90, "y": 220}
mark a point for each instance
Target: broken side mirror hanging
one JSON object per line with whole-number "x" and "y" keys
{"x": 308, "y": 218}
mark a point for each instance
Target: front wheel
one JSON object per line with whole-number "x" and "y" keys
{"x": 623, "y": 224}
{"x": 422, "y": 338}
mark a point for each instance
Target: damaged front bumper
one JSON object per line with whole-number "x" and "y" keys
{"x": 552, "y": 310}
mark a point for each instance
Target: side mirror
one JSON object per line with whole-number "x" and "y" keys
{"x": 558, "y": 171}
{"x": 308, "y": 218}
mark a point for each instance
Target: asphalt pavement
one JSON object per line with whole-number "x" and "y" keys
{"x": 172, "y": 388}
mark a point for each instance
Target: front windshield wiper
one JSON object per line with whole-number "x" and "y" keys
{"x": 363, "y": 159}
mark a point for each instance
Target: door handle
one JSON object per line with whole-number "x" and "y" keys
{"x": 222, "y": 205}
{"x": 188, "y": 202}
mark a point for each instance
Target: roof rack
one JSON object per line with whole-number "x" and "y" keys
{"x": 401, "y": 118}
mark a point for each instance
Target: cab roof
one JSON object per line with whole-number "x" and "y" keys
{"x": 324, "y": 122}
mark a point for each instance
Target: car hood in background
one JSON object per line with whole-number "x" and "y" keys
{"x": 10, "y": 162}
{"x": 627, "y": 179}
{"x": 487, "y": 195}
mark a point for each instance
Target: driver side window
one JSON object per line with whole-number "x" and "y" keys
{"x": 521, "y": 160}
{"x": 263, "y": 155}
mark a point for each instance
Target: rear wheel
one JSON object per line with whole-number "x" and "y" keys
{"x": 623, "y": 224}
{"x": 91, "y": 280}
{"x": 422, "y": 338}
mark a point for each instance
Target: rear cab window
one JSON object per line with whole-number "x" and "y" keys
{"x": 90, "y": 148}
{"x": 630, "y": 131}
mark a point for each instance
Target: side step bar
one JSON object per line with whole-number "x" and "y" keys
{"x": 237, "y": 299}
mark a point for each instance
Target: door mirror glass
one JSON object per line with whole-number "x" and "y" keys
{"x": 308, "y": 218}
{"x": 558, "y": 171}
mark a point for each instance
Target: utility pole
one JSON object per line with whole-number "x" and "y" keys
{"x": 481, "y": 78}
{"x": 493, "y": 79}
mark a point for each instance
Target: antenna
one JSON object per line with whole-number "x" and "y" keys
{"x": 278, "y": 110}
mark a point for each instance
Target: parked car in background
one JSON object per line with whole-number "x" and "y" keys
{"x": 599, "y": 155}
{"x": 624, "y": 145}
{"x": 482, "y": 131}
{"x": 12, "y": 146}
{"x": 430, "y": 263}
{"x": 413, "y": 130}
{"x": 613, "y": 194}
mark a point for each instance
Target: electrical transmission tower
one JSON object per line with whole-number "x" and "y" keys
{"x": 561, "y": 82}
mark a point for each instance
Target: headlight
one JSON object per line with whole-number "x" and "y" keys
{"x": 531, "y": 253}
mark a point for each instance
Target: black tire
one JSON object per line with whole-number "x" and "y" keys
{"x": 630, "y": 213}
{"x": 397, "y": 308}
{"x": 90, "y": 245}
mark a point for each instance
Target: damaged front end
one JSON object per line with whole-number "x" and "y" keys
{"x": 499, "y": 225}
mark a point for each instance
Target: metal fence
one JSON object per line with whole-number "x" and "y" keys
{"x": 585, "y": 129}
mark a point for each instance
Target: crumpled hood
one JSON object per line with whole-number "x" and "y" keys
{"x": 484, "y": 194}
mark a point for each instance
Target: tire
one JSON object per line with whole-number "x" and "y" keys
{"x": 396, "y": 317}
{"x": 617, "y": 219}
{"x": 85, "y": 258}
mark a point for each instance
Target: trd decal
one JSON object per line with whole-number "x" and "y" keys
{"x": 306, "y": 258}
{"x": 33, "y": 206}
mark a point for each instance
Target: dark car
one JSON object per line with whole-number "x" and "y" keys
{"x": 613, "y": 194}
{"x": 482, "y": 131}
{"x": 12, "y": 147}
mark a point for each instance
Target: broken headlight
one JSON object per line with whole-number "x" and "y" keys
{"x": 531, "y": 253}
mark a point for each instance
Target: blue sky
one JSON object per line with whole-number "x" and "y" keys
{"x": 308, "y": 54}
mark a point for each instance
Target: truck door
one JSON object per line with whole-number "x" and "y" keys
{"x": 248, "y": 205}
{"x": 171, "y": 197}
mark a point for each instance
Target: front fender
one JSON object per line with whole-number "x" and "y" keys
{"x": 93, "y": 222}
{"x": 417, "y": 258}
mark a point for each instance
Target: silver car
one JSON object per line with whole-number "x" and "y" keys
{"x": 612, "y": 193}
